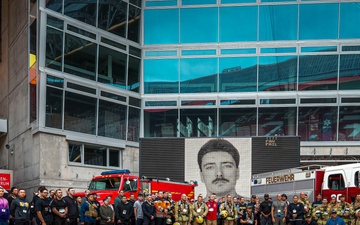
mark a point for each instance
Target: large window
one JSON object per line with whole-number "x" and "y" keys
{"x": 349, "y": 15}
{"x": 317, "y": 123}
{"x": 88, "y": 155}
{"x": 80, "y": 113}
{"x": 237, "y": 122}
{"x": 349, "y": 78}
{"x": 277, "y": 121}
{"x": 202, "y": 29}
{"x": 133, "y": 124}
{"x": 197, "y": 122}
{"x": 278, "y": 22}
{"x": 238, "y": 74}
{"x": 325, "y": 26}
{"x": 277, "y": 73}
{"x": 112, "y": 120}
{"x": 349, "y": 123}
{"x": 238, "y": 23}
{"x": 161, "y": 26}
{"x": 160, "y": 122}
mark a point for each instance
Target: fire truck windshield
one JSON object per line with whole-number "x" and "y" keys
{"x": 105, "y": 184}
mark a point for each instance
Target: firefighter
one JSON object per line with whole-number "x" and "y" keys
{"x": 344, "y": 210}
{"x": 322, "y": 212}
{"x": 333, "y": 203}
{"x": 230, "y": 208}
{"x": 356, "y": 204}
{"x": 304, "y": 200}
{"x": 161, "y": 207}
{"x": 183, "y": 213}
{"x": 200, "y": 209}
{"x": 356, "y": 220}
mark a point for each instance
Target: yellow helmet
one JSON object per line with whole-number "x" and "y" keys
{"x": 223, "y": 214}
{"x": 199, "y": 220}
{"x": 176, "y": 223}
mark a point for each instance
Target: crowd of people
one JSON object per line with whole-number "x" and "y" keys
{"x": 52, "y": 208}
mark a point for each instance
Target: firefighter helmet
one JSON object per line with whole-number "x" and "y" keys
{"x": 176, "y": 223}
{"x": 199, "y": 220}
{"x": 223, "y": 214}
{"x": 168, "y": 221}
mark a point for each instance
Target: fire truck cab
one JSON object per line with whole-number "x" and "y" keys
{"x": 110, "y": 183}
{"x": 312, "y": 180}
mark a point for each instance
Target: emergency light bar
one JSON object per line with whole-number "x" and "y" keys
{"x": 115, "y": 172}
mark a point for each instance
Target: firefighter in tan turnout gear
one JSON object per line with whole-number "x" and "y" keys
{"x": 322, "y": 212}
{"x": 200, "y": 210}
{"x": 230, "y": 208}
{"x": 183, "y": 213}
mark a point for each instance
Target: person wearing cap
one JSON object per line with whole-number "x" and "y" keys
{"x": 309, "y": 220}
{"x": 295, "y": 211}
{"x": 344, "y": 210}
{"x": 322, "y": 212}
{"x": 248, "y": 217}
{"x": 265, "y": 211}
{"x": 199, "y": 209}
{"x": 218, "y": 161}
{"x": 278, "y": 211}
{"x": 284, "y": 199}
{"x": 334, "y": 219}
{"x": 230, "y": 207}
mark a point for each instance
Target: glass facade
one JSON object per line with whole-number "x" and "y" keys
{"x": 121, "y": 70}
{"x": 251, "y": 68}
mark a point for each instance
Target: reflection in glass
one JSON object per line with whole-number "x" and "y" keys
{"x": 198, "y": 75}
{"x": 278, "y": 50}
{"x": 237, "y": 122}
{"x": 95, "y": 156}
{"x": 74, "y": 153}
{"x": 161, "y": 76}
{"x": 198, "y": 102}
{"x": 112, "y": 17}
{"x": 84, "y": 12}
{"x": 134, "y": 74}
{"x": 112, "y": 67}
{"x": 133, "y": 124}
{"x": 54, "y": 5}
{"x": 202, "y": 29}
{"x": 80, "y": 113}
{"x": 197, "y": 2}
{"x": 277, "y": 121}
{"x": 318, "y": 72}
{"x": 54, "y": 48}
{"x": 237, "y": 102}
{"x": 236, "y": 1}
{"x": 278, "y": 22}
{"x": 317, "y": 123}
{"x": 349, "y": 123}
{"x": 112, "y": 120}
{"x": 238, "y": 74}
{"x": 325, "y": 26}
{"x": 134, "y": 23}
{"x": 349, "y": 15}
{"x": 197, "y": 122}
{"x": 81, "y": 31}
{"x": 55, "y": 22}
{"x": 54, "y": 81}
{"x": 79, "y": 57}
{"x": 238, "y": 51}
{"x": 277, "y": 73}
{"x": 150, "y": 3}
{"x": 319, "y": 49}
{"x": 160, "y": 103}
{"x": 349, "y": 72}
{"x": 54, "y": 103}
{"x": 238, "y": 23}
{"x": 114, "y": 158}
{"x": 160, "y": 122}
{"x": 161, "y": 26}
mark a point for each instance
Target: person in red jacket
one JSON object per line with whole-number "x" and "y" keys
{"x": 211, "y": 217}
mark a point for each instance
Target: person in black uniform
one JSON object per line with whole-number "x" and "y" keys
{"x": 59, "y": 209}
{"x": 149, "y": 211}
{"x": 296, "y": 211}
{"x": 73, "y": 209}
{"x": 124, "y": 211}
{"x": 20, "y": 209}
{"x": 309, "y": 220}
{"x": 265, "y": 211}
{"x": 14, "y": 192}
{"x": 42, "y": 208}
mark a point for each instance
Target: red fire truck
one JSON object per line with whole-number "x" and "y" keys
{"x": 327, "y": 180}
{"x": 109, "y": 183}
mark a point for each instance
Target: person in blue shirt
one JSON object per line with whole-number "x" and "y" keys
{"x": 335, "y": 220}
